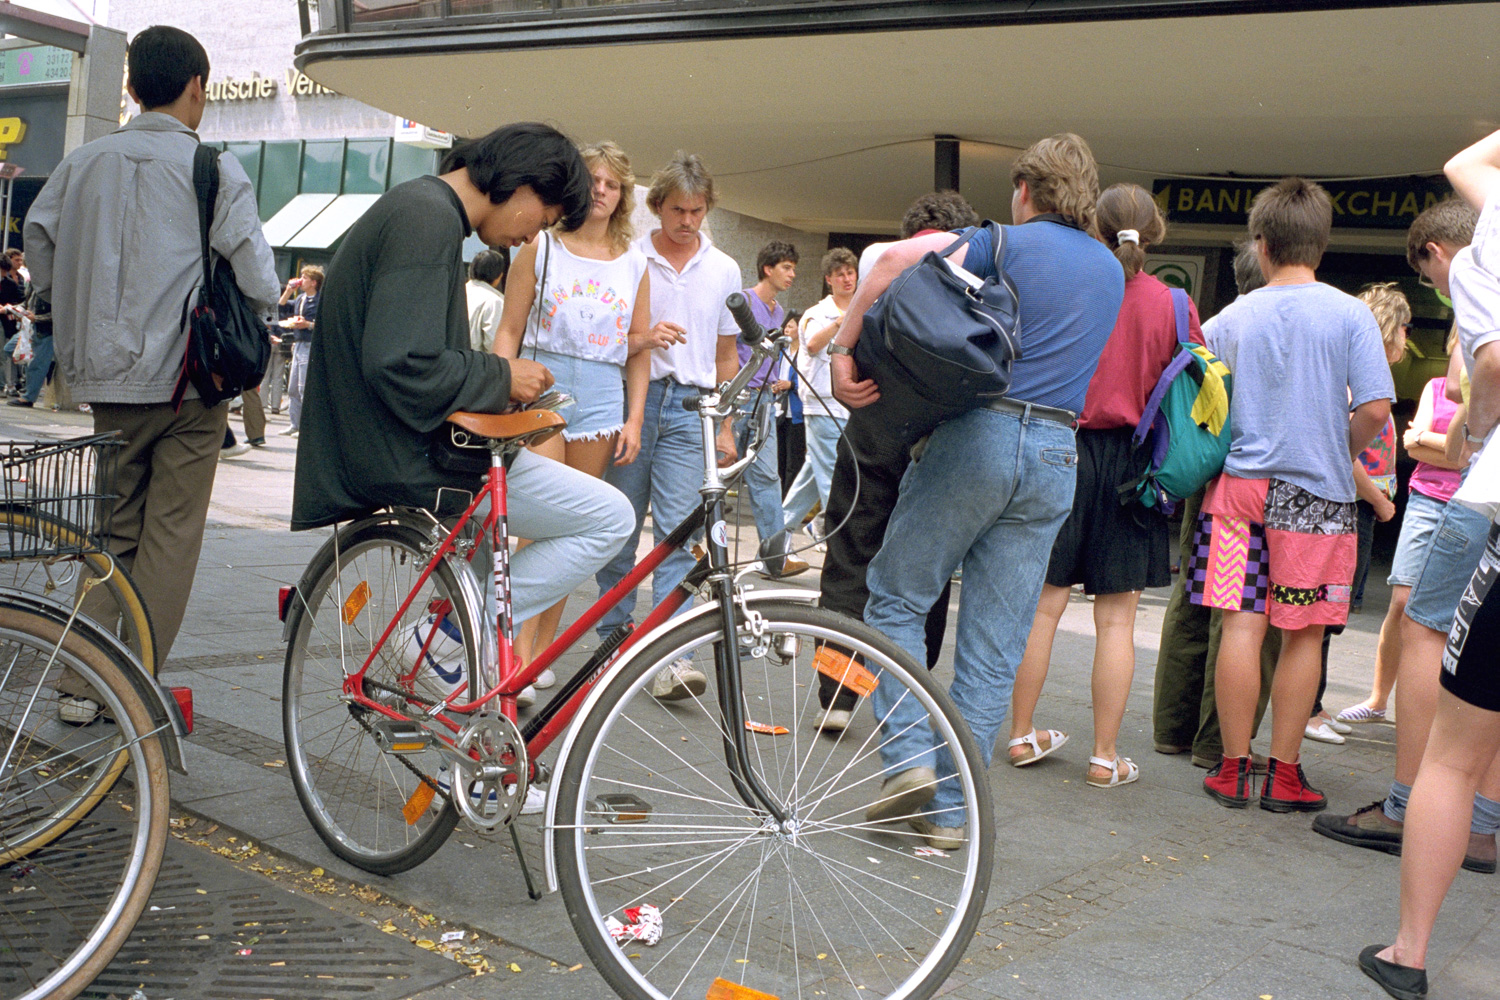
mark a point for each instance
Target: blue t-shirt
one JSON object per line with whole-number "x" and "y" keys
{"x": 1302, "y": 357}
{"x": 1070, "y": 287}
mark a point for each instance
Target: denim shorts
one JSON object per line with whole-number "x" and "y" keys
{"x": 1418, "y": 526}
{"x": 598, "y": 391}
{"x": 1451, "y": 558}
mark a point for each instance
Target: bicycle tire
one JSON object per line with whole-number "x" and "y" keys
{"x": 122, "y": 612}
{"x": 83, "y": 882}
{"x": 671, "y": 757}
{"x": 353, "y": 792}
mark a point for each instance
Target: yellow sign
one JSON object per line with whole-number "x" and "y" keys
{"x": 12, "y": 131}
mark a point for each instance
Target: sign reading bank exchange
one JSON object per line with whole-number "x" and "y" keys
{"x": 1391, "y": 203}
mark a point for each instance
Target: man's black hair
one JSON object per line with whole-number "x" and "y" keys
{"x": 488, "y": 265}
{"x": 528, "y": 154}
{"x": 771, "y": 254}
{"x": 163, "y": 61}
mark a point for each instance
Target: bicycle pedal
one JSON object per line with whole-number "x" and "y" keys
{"x": 620, "y": 807}
{"x": 400, "y": 737}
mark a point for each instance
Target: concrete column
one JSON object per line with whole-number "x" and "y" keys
{"x": 945, "y": 163}
{"x": 94, "y": 93}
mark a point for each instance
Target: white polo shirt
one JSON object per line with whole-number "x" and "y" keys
{"x": 693, "y": 298}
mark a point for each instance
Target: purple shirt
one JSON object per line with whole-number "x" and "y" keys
{"x": 771, "y": 319}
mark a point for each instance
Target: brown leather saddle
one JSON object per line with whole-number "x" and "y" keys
{"x": 520, "y": 429}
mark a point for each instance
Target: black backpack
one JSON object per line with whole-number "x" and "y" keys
{"x": 228, "y": 346}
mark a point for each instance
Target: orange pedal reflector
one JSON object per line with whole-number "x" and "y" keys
{"x": 766, "y": 729}
{"x": 418, "y": 803}
{"x": 355, "y": 602}
{"x": 844, "y": 669}
{"x": 723, "y": 989}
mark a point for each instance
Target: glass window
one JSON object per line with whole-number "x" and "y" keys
{"x": 280, "y": 172}
{"x": 366, "y": 163}
{"x": 322, "y": 166}
{"x": 408, "y": 161}
{"x": 248, "y": 153}
{"x": 367, "y": 11}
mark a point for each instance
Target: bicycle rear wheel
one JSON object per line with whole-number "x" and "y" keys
{"x": 382, "y": 812}
{"x": 80, "y": 864}
{"x": 827, "y": 904}
{"x": 115, "y": 604}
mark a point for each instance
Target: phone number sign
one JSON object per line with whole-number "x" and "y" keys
{"x": 36, "y": 64}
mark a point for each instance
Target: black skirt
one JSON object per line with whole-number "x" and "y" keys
{"x": 1108, "y": 547}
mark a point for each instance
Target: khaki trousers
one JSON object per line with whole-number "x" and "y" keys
{"x": 165, "y": 479}
{"x": 254, "y": 413}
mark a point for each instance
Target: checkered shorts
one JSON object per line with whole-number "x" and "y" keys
{"x": 1273, "y": 548}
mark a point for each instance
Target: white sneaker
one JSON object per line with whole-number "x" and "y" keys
{"x": 1322, "y": 733}
{"x": 526, "y": 697}
{"x": 677, "y": 680}
{"x": 1342, "y": 728}
{"x": 443, "y": 663}
{"x": 536, "y": 801}
{"x": 289, "y": 432}
{"x": 77, "y": 711}
{"x": 833, "y": 720}
{"x": 545, "y": 679}
{"x": 234, "y": 450}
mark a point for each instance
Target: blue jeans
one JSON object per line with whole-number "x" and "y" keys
{"x": 763, "y": 483}
{"x": 39, "y": 365}
{"x": 989, "y": 493}
{"x": 296, "y": 380}
{"x": 812, "y": 481}
{"x": 665, "y": 478}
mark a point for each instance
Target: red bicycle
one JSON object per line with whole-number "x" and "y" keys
{"x": 714, "y": 846}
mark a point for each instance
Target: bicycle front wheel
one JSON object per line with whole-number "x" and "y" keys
{"x": 676, "y": 879}
{"x": 382, "y": 812}
{"x": 80, "y": 864}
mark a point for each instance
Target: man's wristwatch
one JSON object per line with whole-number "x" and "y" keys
{"x": 840, "y": 349}
{"x": 1469, "y": 437}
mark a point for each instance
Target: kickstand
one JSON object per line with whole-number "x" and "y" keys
{"x": 531, "y": 889}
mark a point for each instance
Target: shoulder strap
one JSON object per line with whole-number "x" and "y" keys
{"x": 206, "y": 184}
{"x": 965, "y": 238}
{"x": 1180, "y": 310}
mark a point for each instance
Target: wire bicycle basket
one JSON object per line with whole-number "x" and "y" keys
{"x": 66, "y": 489}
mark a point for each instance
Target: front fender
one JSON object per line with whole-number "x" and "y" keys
{"x": 751, "y": 597}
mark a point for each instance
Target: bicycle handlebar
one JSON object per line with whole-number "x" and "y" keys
{"x": 751, "y": 332}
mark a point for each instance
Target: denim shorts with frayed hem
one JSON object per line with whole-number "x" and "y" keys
{"x": 1419, "y": 525}
{"x": 1456, "y": 547}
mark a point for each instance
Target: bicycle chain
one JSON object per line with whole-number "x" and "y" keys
{"x": 358, "y": 713}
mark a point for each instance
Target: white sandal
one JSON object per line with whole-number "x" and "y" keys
{"x": 1132, "y": 772}
{"x": 1055, "y": 740}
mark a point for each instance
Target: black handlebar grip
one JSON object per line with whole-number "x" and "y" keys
{"x": 751, "y": 331}
{"x": 691, "y": 403}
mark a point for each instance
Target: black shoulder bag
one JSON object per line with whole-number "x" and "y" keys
{"x": 939, "y": 342}
{"x": 228, "y": 346}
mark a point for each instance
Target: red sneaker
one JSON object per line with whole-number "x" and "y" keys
{"x": 1229, "y": 782}
{"x": 1286, "y": 790}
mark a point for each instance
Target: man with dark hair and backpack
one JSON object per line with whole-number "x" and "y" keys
{"x": 113, "y": 242}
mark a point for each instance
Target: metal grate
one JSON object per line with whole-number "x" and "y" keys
{"x": 214, "y": 932}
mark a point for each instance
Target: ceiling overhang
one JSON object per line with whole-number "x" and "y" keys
{"x": 831, "y": 129}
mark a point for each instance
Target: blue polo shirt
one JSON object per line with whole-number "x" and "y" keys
{"x": 1070, "y": 287}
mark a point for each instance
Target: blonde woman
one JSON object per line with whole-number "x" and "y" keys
{"x": 579, "y": 302}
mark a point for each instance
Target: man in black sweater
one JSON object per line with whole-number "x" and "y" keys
{"x": 392, "y": 361}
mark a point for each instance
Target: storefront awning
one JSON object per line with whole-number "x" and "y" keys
{"x": 294, "y": 215}
{"x": 323, "y": 231}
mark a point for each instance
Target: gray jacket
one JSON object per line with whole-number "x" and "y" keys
{"x": 112, "y": 240}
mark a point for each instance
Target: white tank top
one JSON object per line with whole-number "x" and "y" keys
{"x": 585, "y": 307}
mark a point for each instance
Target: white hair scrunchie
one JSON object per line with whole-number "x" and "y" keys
{"x": 1128, "y": 236}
